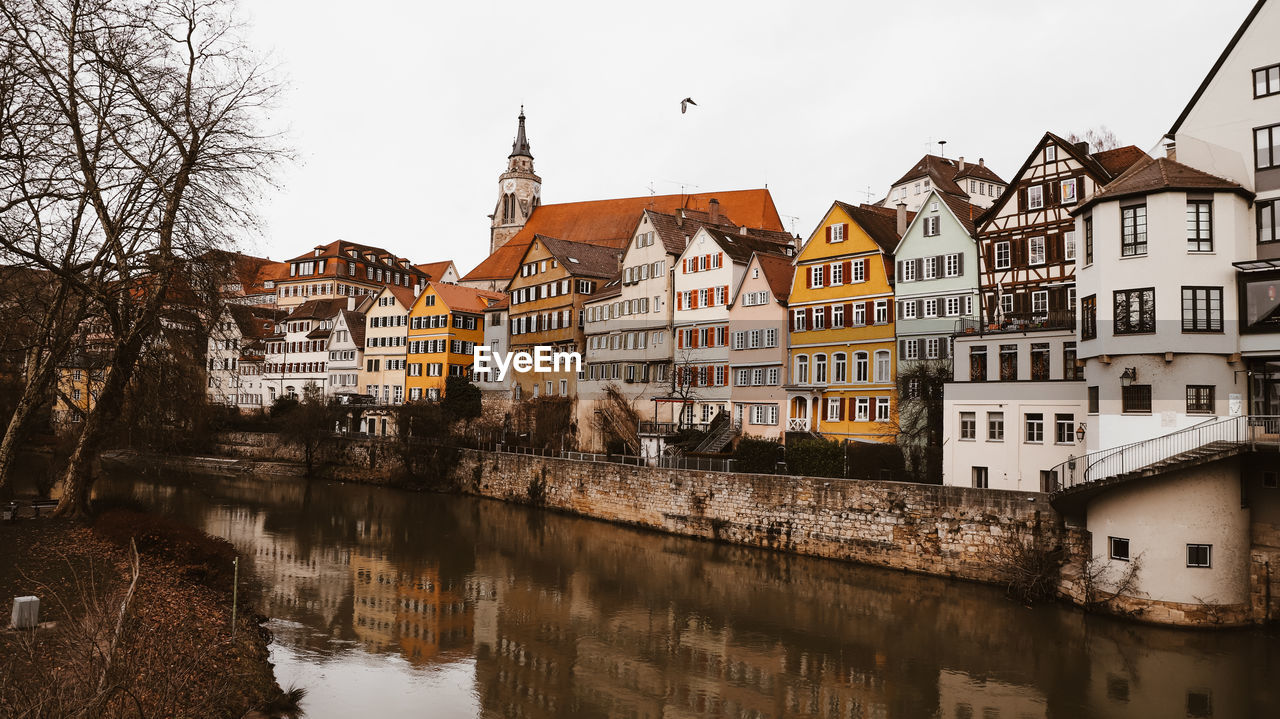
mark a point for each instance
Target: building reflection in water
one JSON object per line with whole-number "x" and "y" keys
{"x": 556, "y": 616}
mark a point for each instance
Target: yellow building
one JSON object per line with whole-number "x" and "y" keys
{"x": 445, "y": 323}
{"x": 80, "y": 379}
{"x": 841, "y": 327}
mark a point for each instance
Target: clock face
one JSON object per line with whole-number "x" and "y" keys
{"x": 508, "y": 185}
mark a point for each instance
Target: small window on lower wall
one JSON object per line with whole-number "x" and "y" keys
{"x": 1271, "y": 480}
{"x": 1198, "y": 555}
{"x": 1119, "y": 548}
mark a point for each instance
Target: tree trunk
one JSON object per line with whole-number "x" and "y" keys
{"x": 16, "y": 431}
{"x": 78, "y": 480}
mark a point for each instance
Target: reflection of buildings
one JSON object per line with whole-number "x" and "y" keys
{"x": 433, "y": 618}
{"x": 374, "y": 580}
{"x": 961, "y": 696}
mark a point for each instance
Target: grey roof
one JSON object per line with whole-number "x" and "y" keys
{"x": 521, "y": 146}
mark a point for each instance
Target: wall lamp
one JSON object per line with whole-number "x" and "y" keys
{"x": 1129, "y": 376}
{"x": 1080, "y": 432}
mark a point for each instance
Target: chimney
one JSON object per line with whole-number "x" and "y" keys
{"x": 1083, "y": 147}
{"x": 961, "y": 163}
{"x": 713, "y": 209}
{"x": 680, "y": 220}
{"x": 902, "y": 218}
{"x": 982, "y": 162}
{"x": 742, "y": 230}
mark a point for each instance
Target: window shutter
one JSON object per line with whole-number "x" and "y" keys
{"x": 726, "y": 294}
{"x": 826, "y": 275}
{"x": 871, "y": 312}
{"x": 960, "y": 263}
{"x": 1022, "y": 199}
{"x": 889, "y": 310}
{"x": 808, "y": 277}
{"x": 847, "y": 272}
{"x": 1021, "y": 302}
{"x": 902, "y": 347}
{"x": 901, "y": 264}
{"x": 828, "y": 234}
{"x": 719, "y": 259}
{"x": 679, "y": 300}
{"x": 794, "y": 326}
{"x": 840, "y": 403}
{"x": 844, "y": 228}
{"x": 848, "y": 314}
{"x": 942, "y": 348}
{"x": 866, "y": 269}
{"x": 808, "y": 317}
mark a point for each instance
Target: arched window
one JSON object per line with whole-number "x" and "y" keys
{"x": 882, "y": 366}
{"x": 819, "y": 369}
{"x": 802, "y": 369}
{"x": 860, "y": 367}
{"x": 839, "y": 371}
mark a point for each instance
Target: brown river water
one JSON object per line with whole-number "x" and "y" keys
{"x": 386, "y": 603}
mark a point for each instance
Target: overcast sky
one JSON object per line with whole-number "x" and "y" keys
{"x": 402, "y": 113}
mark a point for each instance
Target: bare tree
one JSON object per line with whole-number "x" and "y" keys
{"x": 138, "y": 149}
{"x": 1100, "y": 138}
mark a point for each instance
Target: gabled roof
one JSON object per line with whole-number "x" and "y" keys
{"x": 740, "y": 247}
{"x": 1117, "y": 161}
{"x": 610, "y": 223}
{"x": 255, "y": 321}
{"x": 964, "y": 212}
{"x": 945, "y": 173}
{"x": 355, "y": 323}
{"x": 1213, "y": 71}
{"x": 582, "y": 260}
{"x": 318, "y": 309}
{"x": 436, "y": 270}
{"x": 403, "y": 295}
{"x": 882, "y": 228}
{"x": 779, "y": 272}
{"x": 465, "y": 299}
{"x": 672, "y": 228}
{"x": 1152, "y": 175}
{"x": 341, "y": 249}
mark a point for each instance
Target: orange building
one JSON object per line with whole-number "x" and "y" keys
{"x": 445, "y": 323}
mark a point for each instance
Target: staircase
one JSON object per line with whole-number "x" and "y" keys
{"x": 1202, "y": 443}
{"x": 720, "y": 433}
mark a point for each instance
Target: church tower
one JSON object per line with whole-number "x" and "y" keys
{"x": 519, "y": 192}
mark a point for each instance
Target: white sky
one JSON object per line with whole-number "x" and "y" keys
{"x": 402, "y": 113}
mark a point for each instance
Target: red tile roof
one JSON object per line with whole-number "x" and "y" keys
{"x": 435, "y": 270}
{"x": 945, "y": 173}
{"x": 1120, "y": 159}
{"x": 880, "y": 227}
{"x": 609, "y": 223}
{"x": 465, "y": 299}
{"x": 779, "y": 272}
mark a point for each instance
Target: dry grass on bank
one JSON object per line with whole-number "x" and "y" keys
{"x": 172, "y": 653}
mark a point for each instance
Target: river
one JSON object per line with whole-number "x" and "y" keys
{"x": 393, "y": 604}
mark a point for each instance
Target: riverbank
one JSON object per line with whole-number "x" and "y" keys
{"x": 173, "y": 655}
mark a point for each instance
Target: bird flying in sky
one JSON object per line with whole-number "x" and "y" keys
{"x": 685, "y": 103}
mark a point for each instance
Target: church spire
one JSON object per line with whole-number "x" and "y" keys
{"x": 521, "y": 146}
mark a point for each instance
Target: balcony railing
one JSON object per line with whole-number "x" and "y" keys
{"x": 658, "y": 428}
{"x": 1017, "y": 322}
{"x": 798, "y": 424}
{"x": 1118, "y": 461}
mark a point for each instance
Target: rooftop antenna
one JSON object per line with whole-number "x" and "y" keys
{"x": 869, "y": 194}
{"x": 942, "y": 148}
{"x": 793, "y": 219}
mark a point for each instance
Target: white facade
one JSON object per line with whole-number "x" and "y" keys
{"x": 1010, "y": 433}
{"x": 495, "y": 338}
{"x": 345, "y": 354}
{"x": 223, "y": 357}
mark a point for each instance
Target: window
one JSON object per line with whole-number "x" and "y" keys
{"x": 995, "y": 426}
{"x": 1035, "y": 428}
{"x": 1118, "y": 548}
{"x": 908, "y": 270}
{"x": 1089, "y": 317}
{"x": 837, "y": 233}
{"x": 953, "y": 265}
{"x": 1064, "y": 428}
{"x": 1269, "y": 221}
{"x": 1037, "y": 256}
{"x": 1200, "y": 226}
{"x": 862, "y": 409}
{"x": 911, "y": 350}
{"x": 1040, "y": 302}
{"x": 882, "y": 409}
{"x": 1008, "y": 363}
{"x": 1069, "y": 245}
{"x": 860, "y": 367}
{"x": 1035, "y": 197}
{"x": 1067, "y": 191}
{"x": 882, "y": 312}
{"x": 1133, "y": 231}
{"x": 1006, "y": 303}
{"x": 1266, "y": 81}
{"x": 1040, "y": 361}
{"x": 797, "y": 320}
{"x": 980, "y": 477}
{"x": 1136, "y": 399}
{"x": 839, "y": 366}
{"x": 968, "y": 425}
{"x": 1093, "y": 400}
{"x": 953, "y": 306}
{"x": 931, "y": 348}
{"x": 1199, "y": 399}
{"x": 858, "y": 271}
{"x": 1201, "y": 309}
{"x": 833, "y": 409}
{"x": 1070, "y": 369}
{"x": 908, "y": 311}
{"x": 1088, "y": 240}
{"x": 978, "y": 364}
{"x": 1002, "y": 256}
{"x": 1135, "y": 311}
{"x": 930, "y": 267}
{"x": 882, "y": 366}
{"x": 815, "y": 276}
{"x": 1050, "y": 153}
{"x": 820, "y": 369}
{"x": 1266, "y": 145}
{"x": 932, "y": 226}
{"x": 931, "y": 308}
{"x": 1198, "y": 555}
{"x": 802, "y": 369}
{"x": 837, "y": 273}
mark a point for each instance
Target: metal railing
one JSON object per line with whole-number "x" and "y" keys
{"x": 1017, "y": 322}
{"x": 662, "y": 428}
{"x": 1118, "y": 461}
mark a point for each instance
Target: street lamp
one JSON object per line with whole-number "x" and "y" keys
{"x": 1128, "y": 377}
{"x": 1080, "y": 432}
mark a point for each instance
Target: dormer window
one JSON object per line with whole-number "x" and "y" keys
{"x": 1050, "y": 153}
{"x": 318, "y": 252}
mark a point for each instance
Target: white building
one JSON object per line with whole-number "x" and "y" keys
{"x": 298, "y": 353}
{"x": 974, "y": 182}
{"x": 346, "y": 351}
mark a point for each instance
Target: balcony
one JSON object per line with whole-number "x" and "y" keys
{"x": 1017, "y": 322}
{"x": 661, "y": 429}
{"x": 798, "y": 424}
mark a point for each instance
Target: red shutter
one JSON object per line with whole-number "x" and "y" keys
{"x": 808, "y": 318}
{"x": 720, "y": 259}
{"x": 684, "y": 265}
{"x": 840, "y": 401}
{"x": 848, "y": 314}
{"x": 679, "y": 300}
{"x": 866, "y": 269}
{"x": 845, "y": 230}
{"x": 808, "y": 277}
{"x": 828, "y": 234}
{"x": 826, "y": 275}
{"x": 871, "y": 312}
{"x": 890, "y": 309}
{"x": 847, "y": 273}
